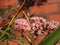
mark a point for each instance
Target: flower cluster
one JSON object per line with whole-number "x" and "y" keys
{"x": 37, "y": 24}
{"x": 22, "y": 24}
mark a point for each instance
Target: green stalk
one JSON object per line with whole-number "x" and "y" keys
{"x": 10, "y": 23}
{"x": 27, "y": 18}
{"x": 20, "y": 41}
{"x": 3, "y": 39}
{"x": 7, "y": 27}
{"x": 9, "y": 35}
{"x": 4, "y": 32}
{"x": 52, "y": 38}
{"x": 28, "y": 39}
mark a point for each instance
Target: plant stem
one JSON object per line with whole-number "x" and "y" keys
{"x": 28, "y": 39}
{"x": 7, "y": 27}
{"x": 21, "y": 41}
{"x": 3, "y": 39}
{"x": 15, "y": 14}
{"x": 26, "y": 16}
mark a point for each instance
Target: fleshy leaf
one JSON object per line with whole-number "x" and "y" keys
{"x": 52, "y": 38}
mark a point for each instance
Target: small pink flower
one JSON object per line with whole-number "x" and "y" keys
{"x": 36, "y": 24}
{"x": 22, "y": 24}
{"x": 53, "y": 25}
{"x": 39, "y": 32}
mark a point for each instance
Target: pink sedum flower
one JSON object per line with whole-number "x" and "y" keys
{"x": 36, "y": 24}
{"x": 53, "y": 25}
{"x": 22, "y": 24}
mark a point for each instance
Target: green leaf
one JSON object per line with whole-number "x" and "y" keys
{"x": 52, "y": 38}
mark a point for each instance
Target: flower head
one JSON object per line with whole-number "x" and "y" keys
{"x": 22, "y": 24}
{"x": 37, "y": 24}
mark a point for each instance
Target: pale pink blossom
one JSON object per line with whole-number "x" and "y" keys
{"x": 36, "y": 24}
{"x": 53, "y": 25}
{"x": 39, "y": 32}
{"x": 22, "y": 24}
